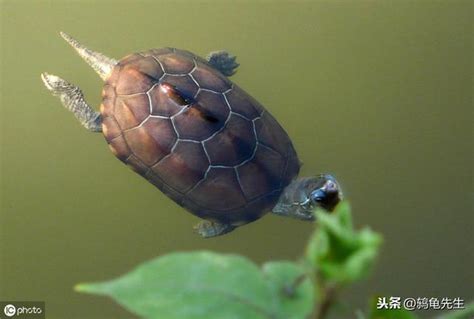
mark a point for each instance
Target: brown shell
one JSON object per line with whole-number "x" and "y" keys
{"x": 196, "y": 136}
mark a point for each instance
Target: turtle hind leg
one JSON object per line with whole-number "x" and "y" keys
{"x": 209, "y": 229}
{"x": 223, "y": 61}
{"x": 73, "y": 100}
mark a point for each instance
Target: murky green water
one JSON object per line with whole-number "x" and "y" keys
{"x": 378, "y": 93}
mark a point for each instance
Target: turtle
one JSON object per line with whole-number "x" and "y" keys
{"x": 176, "y": 119}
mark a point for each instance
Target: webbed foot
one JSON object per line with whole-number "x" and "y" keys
{"x": 223, "y": 61}
{"x": 209, "y": 229}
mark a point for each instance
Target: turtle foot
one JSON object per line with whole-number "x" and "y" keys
{"x": 223, "y": 61}
{"x": 55, "y": 84}
{"x": 209, "y": 229}
{"x": 73, "y": 100}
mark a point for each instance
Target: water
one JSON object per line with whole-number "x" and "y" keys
{"x": 377, "y": 93}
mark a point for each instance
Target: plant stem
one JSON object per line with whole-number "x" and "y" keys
{"x": 329, "y": 296}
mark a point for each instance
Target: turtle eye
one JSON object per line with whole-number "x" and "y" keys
{"x": 175, "y": 95}
{"x": 318, "y": 195}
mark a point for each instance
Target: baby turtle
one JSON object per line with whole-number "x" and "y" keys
{"x": 178, "y": 121}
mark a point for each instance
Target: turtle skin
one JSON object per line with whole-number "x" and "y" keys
{"x": 196, "y": 136}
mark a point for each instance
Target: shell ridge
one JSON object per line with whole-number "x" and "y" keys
{"x": 219, "y": 130}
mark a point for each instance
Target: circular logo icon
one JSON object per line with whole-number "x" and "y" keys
{"x": 9, "y": 310}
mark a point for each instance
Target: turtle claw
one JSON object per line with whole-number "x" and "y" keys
{"x": 49, "y": 81}
{"x": 54, "y": 83}
{"x": 209, "y": 229}
{"x": 223, "y": 61}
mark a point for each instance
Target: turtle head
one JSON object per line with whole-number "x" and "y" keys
{"x": 304, "y": 195}
{"x": 326, "y": 192}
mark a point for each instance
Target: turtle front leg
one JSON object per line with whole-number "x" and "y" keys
{"x": 223, "y": 61}
{"x": 209, "y": 229}
{"x": 73, "y": 100}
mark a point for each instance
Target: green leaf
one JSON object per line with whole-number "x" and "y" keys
{"x": 293, "y": 287}
{"x": 340, "y": 254}
{"x": 208, "y": 285}
{"x": 466, "y": 313}
{"x": 392, "y": 314}
{"x": 389, "y": 313}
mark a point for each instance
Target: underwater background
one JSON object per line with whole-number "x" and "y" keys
{"x": 378, "y": 93}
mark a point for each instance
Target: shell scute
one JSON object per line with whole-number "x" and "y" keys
{"x": 108, "y": 99}
{"x": 158, "y": 182}
{"x": 210, "y": 79}
{"x": 157, "y": 52}
{"x": 112, "y": 79}
{"x": 260, "y": 204}
{"x": 129, "y": 59}
{"x": 132, "y": 81}
{"x": 110, "y": 128}
{"x": 203, "y": 118}
{"x": 242, "y": 103}
{"x": 130, "y": 111}
{"x": 271, "y": 134}
{"x": 152, "y": 141}
{"x": 162, "y": 132}
{"x": 107, "y": 91}
{"x": 136, "y": 164}
{"x": 143, "y": 63}
{"x": 184, "y": 167}
{"x": 147, "y": 66}
{"x": 292, "y": 167}
{"x": 220, "y": 191}
{"x": 184, "y": 84}
{"x": 232, "y": 145}
{"x": 161, "y": 103}
{"x": 267, "y": 167}
{"x": 139, "y": 106}
{"x": 137, "y": 74}
{"x": 176, "y": 64}
{"x": 119, "y": 148}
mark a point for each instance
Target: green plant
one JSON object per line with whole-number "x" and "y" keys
{"x": 209, "y": 285}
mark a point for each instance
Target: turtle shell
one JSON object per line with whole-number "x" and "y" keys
{"x": 195, "y": 135}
